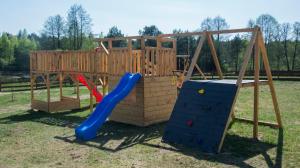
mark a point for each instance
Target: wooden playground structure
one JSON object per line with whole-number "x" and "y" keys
{"x": 153, "y": 98}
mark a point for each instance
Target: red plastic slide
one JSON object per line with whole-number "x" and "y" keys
{"x": 83, "y": 80}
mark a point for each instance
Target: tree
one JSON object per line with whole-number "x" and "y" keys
{"x": 115, "y": 32}
{"x": 277, "y": 43}
{"x": 207, "y": 24}
{"x": 236, "y": 48}
{"x": 217, "y": 23}
{"x": 54, "y": 28}
{"x": 49, "y": 30}
{"x": 6, "y": 51}
{"x": 150, "y": 31}
{"x": 296, "y": 33}
{"x": 285, "y": 30}
{"x": 79, "y": 25}
{"x": 268, "y": 25}
{"x": 21, "y": 52}
{"x": 251, "y": 23}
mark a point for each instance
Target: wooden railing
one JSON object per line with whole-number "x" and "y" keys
{"x": 157, "y": 61}
{"x": 123, "y": 60}
{"x": 69, "y": 61}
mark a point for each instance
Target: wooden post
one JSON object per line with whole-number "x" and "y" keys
{"x": 77, "y": 91}
{"x": 214, "y": 55}
{"x": 143, "y": 56}
{"x": 270, "y": 79}
{"x": 195, "y": 58}
{"x": 60, "y": 85}
{"x": 130, "y": 56}
{"x": 110, "y": 44}
{"x": 48, "y": 90}
{"x": 256, "y": 89}
{"x": 91, "y": 93}
{"x": 201, "y": 73}
{"x": 239, "y": 82}
{"x": 31, "y": 86}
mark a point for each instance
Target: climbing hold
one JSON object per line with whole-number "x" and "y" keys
{"x": 189, "y": 123}
{"x": 201, "y": 91}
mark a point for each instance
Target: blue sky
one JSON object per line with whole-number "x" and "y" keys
{"x": 132, "y": 15}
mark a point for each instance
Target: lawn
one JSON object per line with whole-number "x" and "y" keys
{"x": 37, "y": 139}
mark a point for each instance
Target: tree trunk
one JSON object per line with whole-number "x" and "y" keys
{"x": 295, "y": 53}
{"x": 286, "y": 55}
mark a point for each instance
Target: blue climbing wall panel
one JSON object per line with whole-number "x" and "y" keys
{"x": 200, "y": 115}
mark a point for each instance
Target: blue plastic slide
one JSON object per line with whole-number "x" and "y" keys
{"x": 88, "y": 129}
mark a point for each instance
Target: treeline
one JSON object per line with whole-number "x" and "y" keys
{"x": 73, "y": 32}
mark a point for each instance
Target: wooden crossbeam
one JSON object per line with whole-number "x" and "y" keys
{"x": 265, "y": 123}
{"x": 199, "y": 70}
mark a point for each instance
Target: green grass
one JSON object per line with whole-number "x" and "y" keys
{"x": 37, "y": 139}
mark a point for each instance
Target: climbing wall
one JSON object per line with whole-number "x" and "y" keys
{"x": 200, "y": 114}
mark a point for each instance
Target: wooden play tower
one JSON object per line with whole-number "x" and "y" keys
{"x": 152, "y": 99}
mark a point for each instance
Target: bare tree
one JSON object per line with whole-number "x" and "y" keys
{"x": 217, "y": 23}
{"x": 277, "y": 40}
{"x": 296, "y": 33}
{"x": 285, "y": 30}
{"x": 54, "y": 28}
{"x": 49, "y": 29}
{"x": 207, "y": 24}
{"x": 268, "y": 24}
{"x": 79, "y": 25}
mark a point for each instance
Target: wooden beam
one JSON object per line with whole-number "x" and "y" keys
{"x": 32, "y": 80}
{"x": 91, "y": 95}
{"x": 272, "y": 125}
{"x": 256, "y": 89}
{"x": 211, "y": 32}
{"x": 270, "y": 78}
{"x": 246, "y": 59}
{"x": 48, "y": 91}
{"x": 178, "y": 34}
{"x": 195, "y": 58}
{"x": 104, "y": 48}
{"x": 201, "y": 73}
{"x": 60, "y": 85}
{"x": 142, "y": 56}
{"x": 214, "y": 55}
{"x": 239, "y": 82}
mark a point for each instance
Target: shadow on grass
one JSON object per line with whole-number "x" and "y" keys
{"x": 63, "y": 119}
{"x": 114, "y": 137}
{"x": 236, "y": 150}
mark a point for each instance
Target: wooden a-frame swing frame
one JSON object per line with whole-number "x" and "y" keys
{"x": 260, "y": 51}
